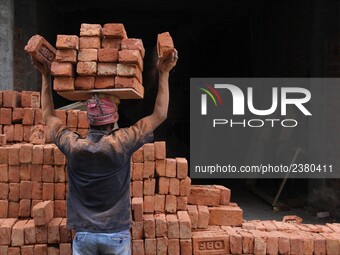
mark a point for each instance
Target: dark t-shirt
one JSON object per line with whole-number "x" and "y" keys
{"x": 99, "y": 175}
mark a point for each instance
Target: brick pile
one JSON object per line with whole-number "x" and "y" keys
{"x": 101, "y": 58}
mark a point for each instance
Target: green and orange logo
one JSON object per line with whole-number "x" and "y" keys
{"x": 212, "y": 94}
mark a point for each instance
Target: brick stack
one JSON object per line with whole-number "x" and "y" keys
{"x": 21, "y": 118}
{"x": 159, "y": 190}
{"x": 101, "y": 58}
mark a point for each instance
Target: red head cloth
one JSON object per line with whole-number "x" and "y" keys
{"x": 101, "y": 111}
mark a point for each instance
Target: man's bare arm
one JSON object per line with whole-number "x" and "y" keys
{"x": 160, "y": 111}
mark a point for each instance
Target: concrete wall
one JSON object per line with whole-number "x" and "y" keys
{"x": 6, "y": 44}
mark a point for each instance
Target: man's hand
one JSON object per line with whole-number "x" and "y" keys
{"x": 165, "y": 65}
{"x": 43, "y": 68}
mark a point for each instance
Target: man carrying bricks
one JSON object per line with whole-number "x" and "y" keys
{"x": 98, "y": 203}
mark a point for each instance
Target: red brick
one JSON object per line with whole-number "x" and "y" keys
{"x": 272, "y": 243}
{"x": 137, "y": 173}
{"x": 72, "y": 118}
{"x": 149, "y": 169}
{"x": 193, "y": 214}
{"x": 6, "y": 231}
{"x": 53, "y": 230}
{"x": 225, "y": 195}
{"x": 67, "y": 42}
{"x": 61, "y": 114}
{"x": 165, "y": 45}
{"x": 13, "y": 251}
{"x": 62, "y": 69}
{"x": 170, "y": 204}
{"x": 25, "y": 172}
{"x": 38, "y": 117}
{"x": 3, "y": 173}
{"x": 163, "y": 185}
{"x": 260, "y": 244}
{"x": 170, "y": 167}
{"x": 17, "y": 115}
{"x": 37, "y": 189}
{"x": 63, "y": 83}
{"x": 26, "y": 153}
{"x": 41, "y": 234}
{"x": 204, "y": 195}
{"x": 36, "y": 173}
{"x": 65, "y": 249}
{"x": 129, "y": 70}
{"x": 182, "y": 168}
{"x": 138, "y": 156}
{"x": 247, "y": 242}
{"x": 88, "y": 55}
{"x": 149, "y": 226}
{"x": 203, "y": 216}
{"x": 84, "y": 82}
{"x": 138, "y": 247}
{"x": 6, "y": 116}
{"x": 137, "y": 188}
{"x": 65, "y": 233}
{"x": 133, "y": 44}
{"x": 185, "y": 246}
{"x": 129, "y": 82}
{"x": 161, "y": 225}
{"x": 43, "y": 213}
{"x": 3, "y": 208}
{"x": 30, "y": 232}
{"x": 82, "y": 119}
{"x": 114, "y": 30}
{"x": 108, "y": 55}
{"x": 4, "y": 189}
{"x": 14, "y": 191}
{"x": 137, "y": 230}
{"x": 66, "y": 55}
{"x": 162, "y": 245}
{"x": 3, "y": 139}
{"x": 150, "y": 246}
{"x": 332, "y": 243}
{"x": 59, "y": 191}
{"x": 159, "y": 203}
{"x": 87, "y": 68}
{"x": 25, "y": 208}
{"x": 48, "y": 191}
{"x": 89, "y": 42}
{"x": 18, "y": 233}
{"x": 104, "y": 82}
{"x": 225, "y": 216}
{"x": 47, "y": 173}
{"x": 160, "y": 150}
{"x": 235, "y": 241}
{"x": 173, "y": 247}
{"x": 40, "y": 249}
{"x": 18, "y": 135}
{"x": 149, "y": 152}
{"x": 131, "y": 57}
{"x": 28, "y": 116}
{"x": 174, "y": 186}
{"x": 90, "y": 29}
{"x": 27, "y": 249}
{"x": 48, "y": 154}
{"x": 172, "y": 226}
{"x": 160, "y": 167}
{"x": 137, "y": 209}
{"x": 107, "y": 69}
{"x": 149, "y": 186}
{"x": 9, "y": 132}
{"x": 59, "y": 157}
{"x": 25, "y": 190}
{"x": 111, "y": 43}
{"x": 184, "y": 224}
{"x": 59, "y": 174}
{"x": 40, "y": 49}
{"x": 182, "y": 203}
{"x": 11, "y": 99}
{"x": 13, "y": 173}
{"x": 13, "y": 210}
{"x": 319, "y": 244}
{"x": 52, "y": 250}
{"x": 149, "y": 204}
{"x": 30, "y": 99}
{"x": 38, "y": 154}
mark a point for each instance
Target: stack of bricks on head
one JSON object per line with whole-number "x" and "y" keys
{"x": 101, "y": 58}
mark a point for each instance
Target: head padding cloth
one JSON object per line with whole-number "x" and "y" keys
{"x": 102, "y": 110}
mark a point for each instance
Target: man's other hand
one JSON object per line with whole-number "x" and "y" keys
{"x": 43, "y": 68}
{"x": 165, "y": 65}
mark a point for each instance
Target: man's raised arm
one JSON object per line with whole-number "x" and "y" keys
{"x": 160, "y": 111}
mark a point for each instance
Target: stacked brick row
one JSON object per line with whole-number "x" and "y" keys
{"x": 209, "y": 205}
{"x": 21, "y": 118}
{"x": 159, "y": 191}
{"x": 101, "y": 58}
{"x": 268, "y": 237}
